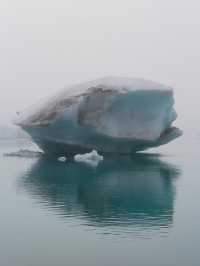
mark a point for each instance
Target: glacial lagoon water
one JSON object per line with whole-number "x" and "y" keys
{"x": 138, "y": 210}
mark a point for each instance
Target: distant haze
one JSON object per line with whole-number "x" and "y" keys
{"x": 47, "y": 45}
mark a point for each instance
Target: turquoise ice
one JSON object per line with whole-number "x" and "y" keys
{"x": 110, "y": 115}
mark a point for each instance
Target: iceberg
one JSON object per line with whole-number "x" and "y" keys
{"x": 109, "y": 115}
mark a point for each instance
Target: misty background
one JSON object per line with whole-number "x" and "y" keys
{"x": 48, "y": 45}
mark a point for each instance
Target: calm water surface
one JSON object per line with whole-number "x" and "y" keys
{"x": 139, "y": 210}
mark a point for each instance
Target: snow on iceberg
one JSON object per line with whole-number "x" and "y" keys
{"x": 110, "y": 115}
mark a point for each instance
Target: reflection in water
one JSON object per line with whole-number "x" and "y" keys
{"x": 123, "y": 194}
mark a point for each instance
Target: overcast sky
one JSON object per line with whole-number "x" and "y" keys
{"x": 46, "y": 45}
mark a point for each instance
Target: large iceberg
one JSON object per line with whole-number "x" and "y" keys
{"x": 110, "y": 115}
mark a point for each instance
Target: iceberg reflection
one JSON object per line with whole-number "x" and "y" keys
{"x": 122, "y": 194}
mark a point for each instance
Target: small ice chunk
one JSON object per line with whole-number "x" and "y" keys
{"x": 92, "y": 158}
{"x": 62, "y": 159}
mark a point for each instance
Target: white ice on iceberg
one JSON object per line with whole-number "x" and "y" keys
{"x": 110, "y": 115}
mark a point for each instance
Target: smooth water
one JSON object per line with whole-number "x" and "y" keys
{"x": 139, "y": 210}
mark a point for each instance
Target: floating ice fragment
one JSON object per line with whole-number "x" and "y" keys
{"x": 62, "y": 159}
{"x": 110, "y": 115}
{"x": 92, "y": 158}
{"x": 24, "y": 153}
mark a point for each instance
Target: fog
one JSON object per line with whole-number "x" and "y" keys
{"x": 47, "y": 45}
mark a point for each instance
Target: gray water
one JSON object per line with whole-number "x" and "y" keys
{"x": 139, "y": 210}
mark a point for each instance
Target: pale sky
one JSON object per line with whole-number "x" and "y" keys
{"x": 46, "y": 45}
